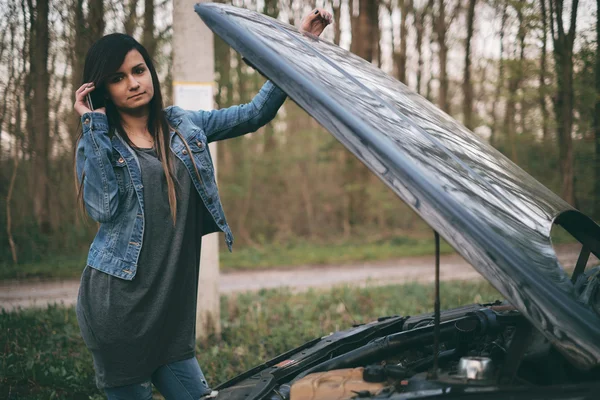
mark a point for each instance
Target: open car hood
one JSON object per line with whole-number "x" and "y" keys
{"x": 492, "y": 212}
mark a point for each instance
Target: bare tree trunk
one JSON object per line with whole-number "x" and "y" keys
{"x": 28, "y": 74}
{"x": 14, "y": 126}
{"x": 11, "y": 75}
{"x": 85, "y": 32}
{"x": 442, "y": 56}
{"x": 362, "y": 45}
{"x": 148, "y": 39}
{"x": 467, "y": 85}
{"x": 500, "y": 83}
{"x": 419, "y": 30}
{"x": 542, "y": 92}
{"x": 40, "y": 117}
{"x": 96, "y": 21}
{"x": 420, "y": 16}
{"x": 11, "y": 187}
{"x": 272, "y": 10}
{"x": 131, "y": 18}
{"x": 11, "y": 20}
{"x": 237, "y": 146}
{"x": 244, "y": 212}
{"x": 441, "y": 25}
{"x": 336, "y": 24}
{"x": 521, "y": 66}
{"x": 375, "y": 33}
{"x": 428, "y": 88}
{"x": 400, "y": 57}
{"x": 362, "y": 30}
{"x": 307, "y": 197}
{"x": 514, "y": 84}
{"x": 597, "y": 119}
{"x": 77, "y": 59}
{"x": 224, "y": 95}
{"x": 563, "y": 103}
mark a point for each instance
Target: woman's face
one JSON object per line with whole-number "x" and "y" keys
{"x": 131, "y": 88}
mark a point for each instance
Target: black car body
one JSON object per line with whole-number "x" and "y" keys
{"x": 492, "y": 212}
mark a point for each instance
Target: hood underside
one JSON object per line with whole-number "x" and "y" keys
{"x": 492, "y": 212}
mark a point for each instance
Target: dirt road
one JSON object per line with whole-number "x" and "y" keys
{"x": 414, "y": 269}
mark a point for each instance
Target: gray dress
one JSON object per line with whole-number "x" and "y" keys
{"x": 134, "y": 327}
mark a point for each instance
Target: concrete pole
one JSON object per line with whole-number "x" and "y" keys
{"x": 193, "y": 78}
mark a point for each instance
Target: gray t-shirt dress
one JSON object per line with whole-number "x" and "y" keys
{"x": 134, "y": 327}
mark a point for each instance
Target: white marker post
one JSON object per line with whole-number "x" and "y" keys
{"x": 193, "y": 77}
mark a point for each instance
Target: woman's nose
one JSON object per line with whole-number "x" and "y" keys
{"x": 133, "y": 83}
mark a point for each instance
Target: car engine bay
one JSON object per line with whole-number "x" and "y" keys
{"x": 483, "y": 349}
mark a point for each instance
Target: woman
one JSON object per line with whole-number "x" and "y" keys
{"x": 145, "y": 174}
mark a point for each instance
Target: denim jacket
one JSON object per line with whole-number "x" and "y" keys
{"x": 112, "y": 187}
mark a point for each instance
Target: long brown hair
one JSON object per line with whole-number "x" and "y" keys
{"x": 104, "y": 58}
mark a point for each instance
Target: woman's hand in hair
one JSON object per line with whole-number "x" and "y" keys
{"x": 81, "y": 105}
{"x": 316, "y": 21}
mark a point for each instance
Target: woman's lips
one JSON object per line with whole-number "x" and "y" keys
{"x": 137, "y": 95}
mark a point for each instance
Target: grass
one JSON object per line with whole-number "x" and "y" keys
{"x": 56, "y": 267}
{"x": 293, "y": 255}
{"x": 43, "y": 357}
{"x": 251, "y": 258}
{"x": 269, "y": 256}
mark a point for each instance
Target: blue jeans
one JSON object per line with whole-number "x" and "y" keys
{"x": 178, "y": 380}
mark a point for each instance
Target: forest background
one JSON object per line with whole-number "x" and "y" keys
{"x": 524, "y": 75}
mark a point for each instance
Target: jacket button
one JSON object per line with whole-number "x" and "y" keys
{"x": 184, "y": 152}
{"x": 121, "y": 161}
{"x": 87, "y": 121}
{"x": 200, "y": 144}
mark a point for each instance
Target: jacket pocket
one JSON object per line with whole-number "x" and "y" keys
{"x": 198, "y": 144}
{"x": 121, "y": 173}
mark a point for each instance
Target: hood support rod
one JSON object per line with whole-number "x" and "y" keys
{"x": 582, "y": 260}
{"x": 436, "y": 318}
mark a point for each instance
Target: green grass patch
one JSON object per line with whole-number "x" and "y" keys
{"x": 56, "y": 267}
{"x": 44, "y": 357}
{"x": 251, "y": 258}
{"x": 302, "y": 253}
{"x": 269, "y": 256}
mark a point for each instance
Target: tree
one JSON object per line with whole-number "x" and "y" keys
{"x": 336, "y": 23}
{"x": 272, "y": 10}
{"x": 441, "y": 24}
{"x": 85, "y": 31}
{"x": 148, "y": 39}
{"x": 40, "y": 122}
{"x": 515, "y": 77}
{"x": 362, "y": 45}
{"x": 543, "y": 57}
{"x": 131, "y": 18}
{"x": 597, "y": 118}
{"x": 420, "y": 15}
{"x": 400, "y": 57}
{"x": 500, "y": 80}
{"x": 96, "y": 21}
{"x": 467, "y": 85}
{"x": 563, "y": 100}
{"x": 12, "y": 92}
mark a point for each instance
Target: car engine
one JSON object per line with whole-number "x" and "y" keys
{"x": 487, "y": 349}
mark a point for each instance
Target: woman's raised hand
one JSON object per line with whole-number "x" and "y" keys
{"x": 316, "y": 21}
{"x": 81, "y": 105}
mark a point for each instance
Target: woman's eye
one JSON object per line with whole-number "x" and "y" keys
{"x": 116, "y": 79}
{"x": 140, "y": 71}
